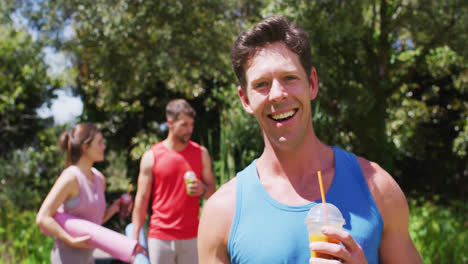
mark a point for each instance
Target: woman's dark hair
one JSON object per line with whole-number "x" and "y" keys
{"x": 271, "y": 30}
{"x": 72, "y": 141}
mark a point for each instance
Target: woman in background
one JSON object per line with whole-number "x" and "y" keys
{"x": 79, "y": 191}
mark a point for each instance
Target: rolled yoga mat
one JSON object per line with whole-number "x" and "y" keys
{"x": 116, "y": 244}
{"x": 139, "y": 258}
{"x": 141, "y": 237}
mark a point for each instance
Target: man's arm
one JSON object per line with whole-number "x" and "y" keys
{"x": 215, "y": 225}
{"x": 145, "y": 182}
{"x": 396, "y": 245}
{"x": 207, "y": 176}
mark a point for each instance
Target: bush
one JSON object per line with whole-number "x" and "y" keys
{"x": 21, "y": 240}
{"x": 27, "y": 174}
{"x": 439, "y": 231}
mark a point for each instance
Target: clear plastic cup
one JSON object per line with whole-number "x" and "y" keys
{"x": 189, "y": 177}
{"x": 315, "y": 220}
{"x": 125, "y": 201}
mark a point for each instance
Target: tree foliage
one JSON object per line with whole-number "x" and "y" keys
{"x": 28, "y": 173}
{"x": 135, "y": 56}
{"x": 392, "y": 76}
{"x": 393, "y": 84}
{"x": 24, "y": 87}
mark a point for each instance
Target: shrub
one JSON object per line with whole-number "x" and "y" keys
{"x": 439, "y": 231}
{"x": 21, "y": 240}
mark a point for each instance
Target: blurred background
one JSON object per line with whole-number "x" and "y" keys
{"x": 393, "y": 87}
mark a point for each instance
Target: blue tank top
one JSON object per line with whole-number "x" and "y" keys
{"x": 267, "y": 231}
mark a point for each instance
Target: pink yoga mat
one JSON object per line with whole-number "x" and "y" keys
{"x": 117, "y": 245}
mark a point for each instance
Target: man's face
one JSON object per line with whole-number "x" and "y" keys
{"x": 278, "y": 93}
{"x": 182, "y": 128}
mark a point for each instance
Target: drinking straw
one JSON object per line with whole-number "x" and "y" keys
{"x": 322, "y": 193}
{"x": 129, "y": 188}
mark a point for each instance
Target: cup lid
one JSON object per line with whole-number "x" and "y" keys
{"x": 189, "y": 175}
{"x": 317, "y": 213}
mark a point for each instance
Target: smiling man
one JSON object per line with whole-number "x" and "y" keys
{"x": 258, "y": 217}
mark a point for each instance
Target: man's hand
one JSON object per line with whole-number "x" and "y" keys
{"x": 196, "y": 188}
{"x": 351, "y": 253}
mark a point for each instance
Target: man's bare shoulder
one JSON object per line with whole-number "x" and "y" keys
{"x": 148, "y": 153}
{"x": 219, "y": 208}
{"x": 386, "y": 192}
{"x": 215, "y": 223}
{"x": 377, "y": 178}
{"x": 224, "y": 198}
{"x": 147, "y": 159}
{"x": 204, "y": 150}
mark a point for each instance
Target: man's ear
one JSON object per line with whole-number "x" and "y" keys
{"x": 169, "y": 122}
{"x": 244, "y": 99}
{"x": 313, "y": 84}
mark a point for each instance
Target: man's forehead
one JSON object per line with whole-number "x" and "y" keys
{"x": 184, "y": 117}
{"x": 275, "y": 55}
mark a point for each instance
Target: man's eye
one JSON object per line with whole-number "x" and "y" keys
{"x": 289, "y": 78}
{"x": 261, "y": 84}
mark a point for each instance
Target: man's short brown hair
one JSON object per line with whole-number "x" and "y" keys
{"x": 271, "y": 30}
{"x": 177, "y": 106}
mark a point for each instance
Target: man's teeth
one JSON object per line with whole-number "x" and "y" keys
{"x": 283, "y": 115}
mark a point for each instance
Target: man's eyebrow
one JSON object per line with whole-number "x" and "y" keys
{"x": 283, "y": 72}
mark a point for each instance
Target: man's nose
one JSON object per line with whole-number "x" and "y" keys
{"x": 277, "y": 91}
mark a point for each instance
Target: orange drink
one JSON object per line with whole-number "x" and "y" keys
{"x": 314, "y": 238}
{"x": 323, "y": 214}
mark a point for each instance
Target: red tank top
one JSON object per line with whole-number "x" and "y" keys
{"x": 175, "y": 213}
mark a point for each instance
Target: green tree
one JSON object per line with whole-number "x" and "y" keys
{"x": 24, "y": 87}
{"x": 28, "y": 173}
{"x": 28, "y": 143}
{"x": 370, "y": 55}
{"x": 427, "y": 124}
{"x": 134, "y": 56}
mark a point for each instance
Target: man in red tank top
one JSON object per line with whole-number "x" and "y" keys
{"x": 175, "y": 172}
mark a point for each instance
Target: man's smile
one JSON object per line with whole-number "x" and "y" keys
{"x": 283, "y": 116}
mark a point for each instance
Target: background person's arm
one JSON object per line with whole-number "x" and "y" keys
{"x": 145, "y": 183}
{"x": 207, "y": 175}
{"x": 114, "y": 207}
{"x": 64, "y": 188}
{"x": 206, "y": 185}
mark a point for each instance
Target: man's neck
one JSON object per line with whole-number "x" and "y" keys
{"x": 174, "y": 144}
{"x": 310, "y": 156}
{"x": 290, "y": 176}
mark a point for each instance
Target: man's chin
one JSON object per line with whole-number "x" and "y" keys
{"x": 184, "y": 141}
{"x": 187, "y": 139}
